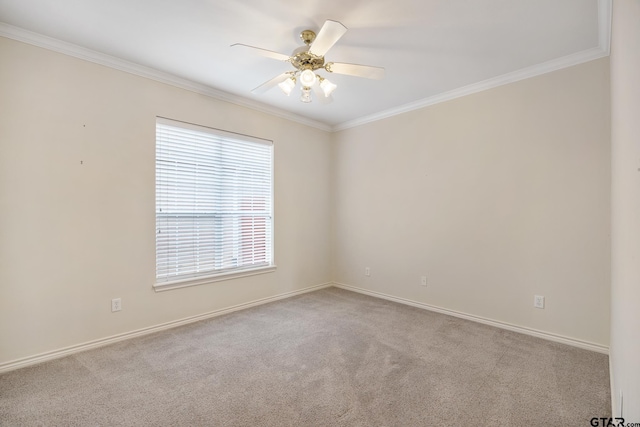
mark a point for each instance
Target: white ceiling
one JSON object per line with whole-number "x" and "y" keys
{"x": 431, "y": 49}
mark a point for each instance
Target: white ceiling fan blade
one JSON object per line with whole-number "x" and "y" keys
{"x": 366, "y": 71}
{"x": 329, "y": 34}
{"x": 264, "y": 52}
{"x": 271, "y": 83}
{"x": 320, "y": 95}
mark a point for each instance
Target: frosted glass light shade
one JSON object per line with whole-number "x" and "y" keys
{"x": 307, "y": 78}
{"x": 327, "y": 87}
{"x": 306, "y": 95}
{"x": 287, "y": 85}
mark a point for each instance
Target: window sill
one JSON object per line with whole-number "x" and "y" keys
{"x": 203, "y": 280}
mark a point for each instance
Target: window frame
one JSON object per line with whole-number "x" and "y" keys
{"x": 195, "y": 279}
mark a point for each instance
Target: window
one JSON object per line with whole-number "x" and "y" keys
{"x": 213, "y": 204}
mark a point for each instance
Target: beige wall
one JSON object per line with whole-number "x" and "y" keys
{"x": 495, "y": 197}
{"x": 72, "y": 236}
{"x": 625, "y": 218}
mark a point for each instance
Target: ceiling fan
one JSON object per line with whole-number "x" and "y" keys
{"x": 308, "y": 59}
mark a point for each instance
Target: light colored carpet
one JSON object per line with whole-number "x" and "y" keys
{"x": 326, "y": 358}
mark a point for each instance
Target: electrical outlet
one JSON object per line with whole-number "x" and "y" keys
{"x": 538, "y": 301}
{"x": 423, "y": 280}
{"x": 116, "y": 304}
{"x": 367, "y": 271}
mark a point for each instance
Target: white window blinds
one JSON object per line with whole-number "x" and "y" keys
{"x": 213, "y": 202}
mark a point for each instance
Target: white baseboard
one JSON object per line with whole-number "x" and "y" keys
{"x": 56, "y": 354}
{"x": 503, "y": 325}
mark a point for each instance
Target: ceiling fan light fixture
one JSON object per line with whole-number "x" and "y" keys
{"x": 306, "y": 95}
{"x": 309, "y": 58}
{"x": 327, "y": 87}
{"x": 287, "y": 85}
{"x": 307, "y": 78}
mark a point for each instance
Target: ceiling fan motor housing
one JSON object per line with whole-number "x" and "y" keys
{"x": 303, "y": 60}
